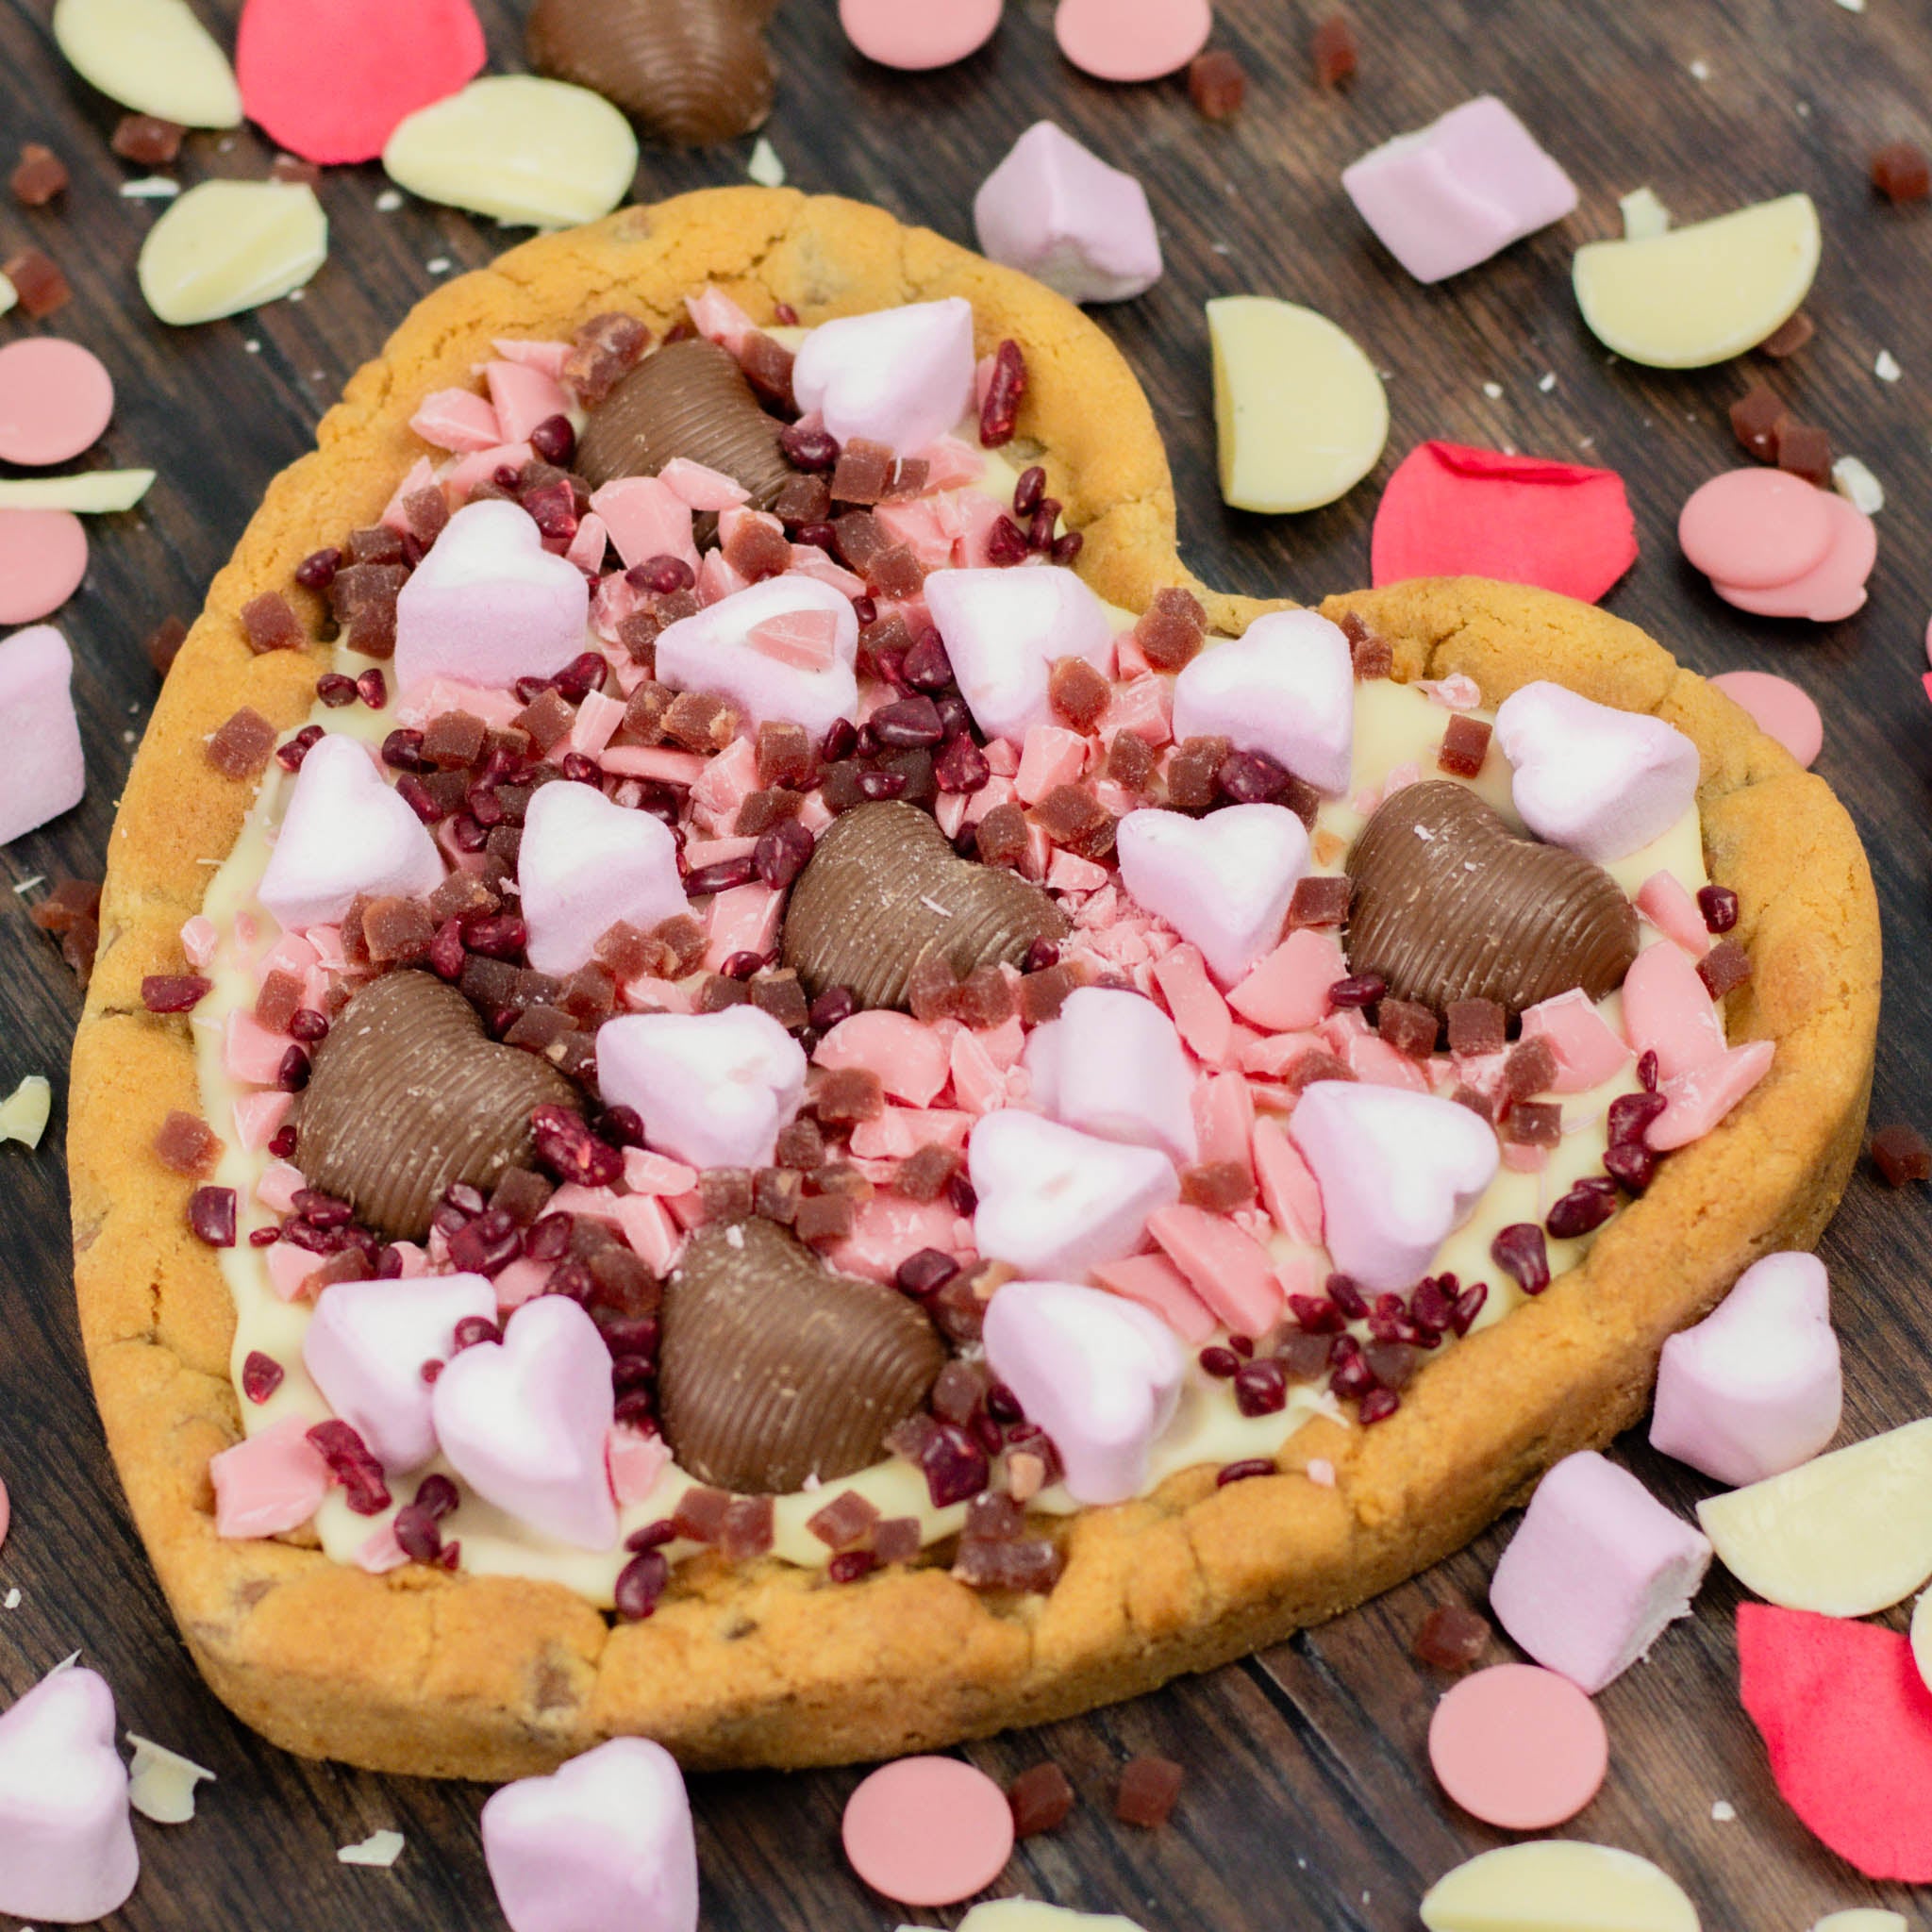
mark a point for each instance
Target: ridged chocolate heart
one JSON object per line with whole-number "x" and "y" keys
{"x": 690, "y": 72}
{"x": 409, "y": 1096}
{"x": 1451, "y": 904}
{"x": 884, "y": 890}
{"x": 772, "y": 1368}
{"x": 689, "y": 399}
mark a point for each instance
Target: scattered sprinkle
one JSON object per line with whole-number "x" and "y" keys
{"x": 764, "y": 167}
{"x": 1700, "y": 70}
{"x": 439, "y": 264}
{"x": 11, "y": 1601}
{"x": 23, "y": 1115}
{"x": 1724, "y": 1810}
{"x": 1885, "y": 368}
{"x": 1548, "y": 382}
{"x": 26, "y": 886}
{"x": 298, "y": 294}
{"x": 1853, "y": 6}
{"x": 8, "y": 294}
{"x": 380, "y": 1850}
{"x": 161, "y": 1782}
{"x": 253, "y": 347}
{"x": 1858, "y": 486}
{"x": 1321, "y": 1471}
{"x": 389, "y": 201}
{"x": 150, "y": 188}
{"x": 1493, "y": 391}
{"x": 1644, "y": 216}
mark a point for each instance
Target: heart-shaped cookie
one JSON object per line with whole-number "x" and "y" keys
{"x": 490, "y": 605}
{"x": 1099, "y": 1374}
{"x": 731, "y": 647}
{"x": 773, "y": 1369}
{"x": 407, "y": 1096}
{"x": 67, "y": 1851}
{"x": 898, "y": 376}
{"x": 1451, "y": 904}
{"x": 1399, "y": 1172}
{"x": 346, "y": 831}
{"x": 1004, "y": 631}
{"x": 584, "y": 865}
{"x": 603, "y": 1844}
{"x": 885, "y": 892}
{"x": 524, "y": 1422}
{"x": 1223, "y": 882}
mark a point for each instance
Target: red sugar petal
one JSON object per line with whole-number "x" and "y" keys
{"x": 329, "y": 80}
{"x": 1847, "y": 1720}
{"x": 1450, "y": 511}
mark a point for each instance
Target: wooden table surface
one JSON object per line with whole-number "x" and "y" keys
{"x": 1308, "y": 1801}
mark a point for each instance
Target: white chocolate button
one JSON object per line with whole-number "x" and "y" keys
{"x": 24, "y": 1112}
{"x": 93, "y": 493}
{"x": 535, "y": 154}
{"x": 1861, "y": 1919}
{"x": 1922, "y": 1637}
{"x": 152, "y": 56}
{"x": 1299, "y": 410}
{"x": 229, "y": 245}
{"x": 1029, "y": 1915}
{"x": 1846, "y": 1535}
{"x": 1558, "y": 1884}
{"x": 1701, "y": 294}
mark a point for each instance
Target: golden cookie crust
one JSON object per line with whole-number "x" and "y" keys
{"x": 419, "y": 1671}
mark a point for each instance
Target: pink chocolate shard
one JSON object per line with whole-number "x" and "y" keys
{"x": 585, "y": 864}
{"x": 1287, "y": 990}
{"x": 1112, "y": 1065}
{"x": 1666, "y": 902}
{"x": 1228, "y": 1269}
{"x": 1099, "y": 1373}
{"x": 1158, "y": 1285}
{"x": 1595, "y": 1571}
{"x": 899, "y": 376}
{"x": 269, "y": 1482}
{"x": 604, "y": 1844}
{"x": 523, "y": 396}
{"x": 1668, "y": 1011}
{"x": 1459, "y": 191}
{"x": 1700, "y": 1097}
{"x": 1586, "y": 1052}
{"x": 457, "y": 420}
{"x": 912, "y": 1061}
{"x": 1060, "y": 214}
{"x": 43, "y": 773}
{"x": 1755, "y": 1388}
{"x": 714, "y": 1089}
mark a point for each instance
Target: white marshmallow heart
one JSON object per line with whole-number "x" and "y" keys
{"x": 718, "y": 651}
{"x": 1101, "y": 1375}
{"x": 43, "y": 771}
{"x": 1398, "y": 1172}
{"x": 524, "y": 1422}
{"x": 585, "y": 864}
{"x": 67, "y": 1853}
{"x": 713, "y": 1089}
{"x": 1286, "y": 687}
{"x": 1113, "y": 1065}
{"x": 365, "y": 1347}
{"x": 900, "y": 376}
{"x": 490, "y": 605}
{"x": 1755, "y": 1388}
{"x": 1601, "y": 781}
{"x": 603, "y": 1844}
{"x": 1055, "y": 1203}
{"x": 346, "y": 831}
{"x": 1004, "y": 628}
{"x": 1223, "y": 882}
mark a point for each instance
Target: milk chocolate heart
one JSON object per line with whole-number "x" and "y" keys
{"x": 407, "y": 1096}
{"x": 773, "y": 1369}
{"x": 689, "y": 399}
{"x": 885, "y": 892}
{"x": 1451, "y": 904}
{"x": 690, "y": 72}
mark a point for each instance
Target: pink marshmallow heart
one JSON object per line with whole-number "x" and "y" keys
{"x": 1669, "y": 1011}
{"x": 713, "y": 1089}
{"x": 43, "y": 773}
{"x": 604, "y": 1844}
{"x": 269, "y": 1482}
{"x": 1586, "y": 1052}
{"x": 67, "y": 1853}
{"x": 524, "y": 1422}
{"x": 490, "y": 605}
{"x": 1595, "y": 1571}
{"x": 1061, "y": 214}
{"x": 900, "y": 376}
{"x": 1112, "y": 1065}
{"x": 1601, "y": 781}
{"x": 713, "y": 652}
{"x": 584, "y": 865}
{"x": 1286, "y": 687}
{"x": 1455, "y": 192}
{"x": 1399, "y": 1173}
{"x": 1223, "y": 882}
{"x": 365, "y": 1348}
{"x": 346, "y": 831}
{"x": 1004, "y": 628}
{"x": 1054, "y": 1202}
{"x": 1755, "y": 1388}
{"x": 1101, "y": 1375}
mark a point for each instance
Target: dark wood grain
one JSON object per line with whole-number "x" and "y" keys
{"x": 1307, "y": 1800}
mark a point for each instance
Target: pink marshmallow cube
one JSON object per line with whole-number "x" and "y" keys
{"x": 713, "y": 1089}
{"x": 1061, "y": 214}
{"x": 1595, "y": 1571}
{"x": 43, "y": 771}
{"x": 269, "y": 1483}
{"x": 1459, "y": 191}
{"x": 901, "y": 377}
{"x": 1112, "y": 1065}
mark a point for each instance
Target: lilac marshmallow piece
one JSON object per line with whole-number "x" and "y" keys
{"x": 713, "y": 652}
{"x": 43, "y": 771}
{"x": 1112, "y": 1065}
{"x": 584, "y": 865}
{"x": 1057, "y": 211}
{"x": 901, "y": 377}
{"x": 1003, "y": 630}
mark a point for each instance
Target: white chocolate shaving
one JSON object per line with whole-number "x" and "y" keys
{"x": 229, "y": 245}
{"x": 150, "y": 188}
{"x": 1644, "y": 216}
{"x": 161, "y": 1783}
{"x": 1858, "y": 486}
{"x": 1885, "y": 368}
{"x": 764, "y": 167}
{"x": 24, "y": 1112}
{"x": 153, "y": 56}
{"x": 379, "y": 1851}
{"x": 8, "y": 294}
{"x": 93, "y": 491}
{"x": 1030, "y": 1915}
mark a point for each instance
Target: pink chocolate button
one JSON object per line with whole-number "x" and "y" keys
{"x": 1832, "y": 590}
{"x": 1132, "y": 39}
{"x": 56, "y": 398}
{"x": 929, "y": 1831}
{"x": 1756, "y": 528}
{"x": 1519, "y": 1747}
{"x": 42, "y": 559}
{"x": 1782, "y": 710}
{"x": 919, "y": 34}
{"x": 5, "y": 1512}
